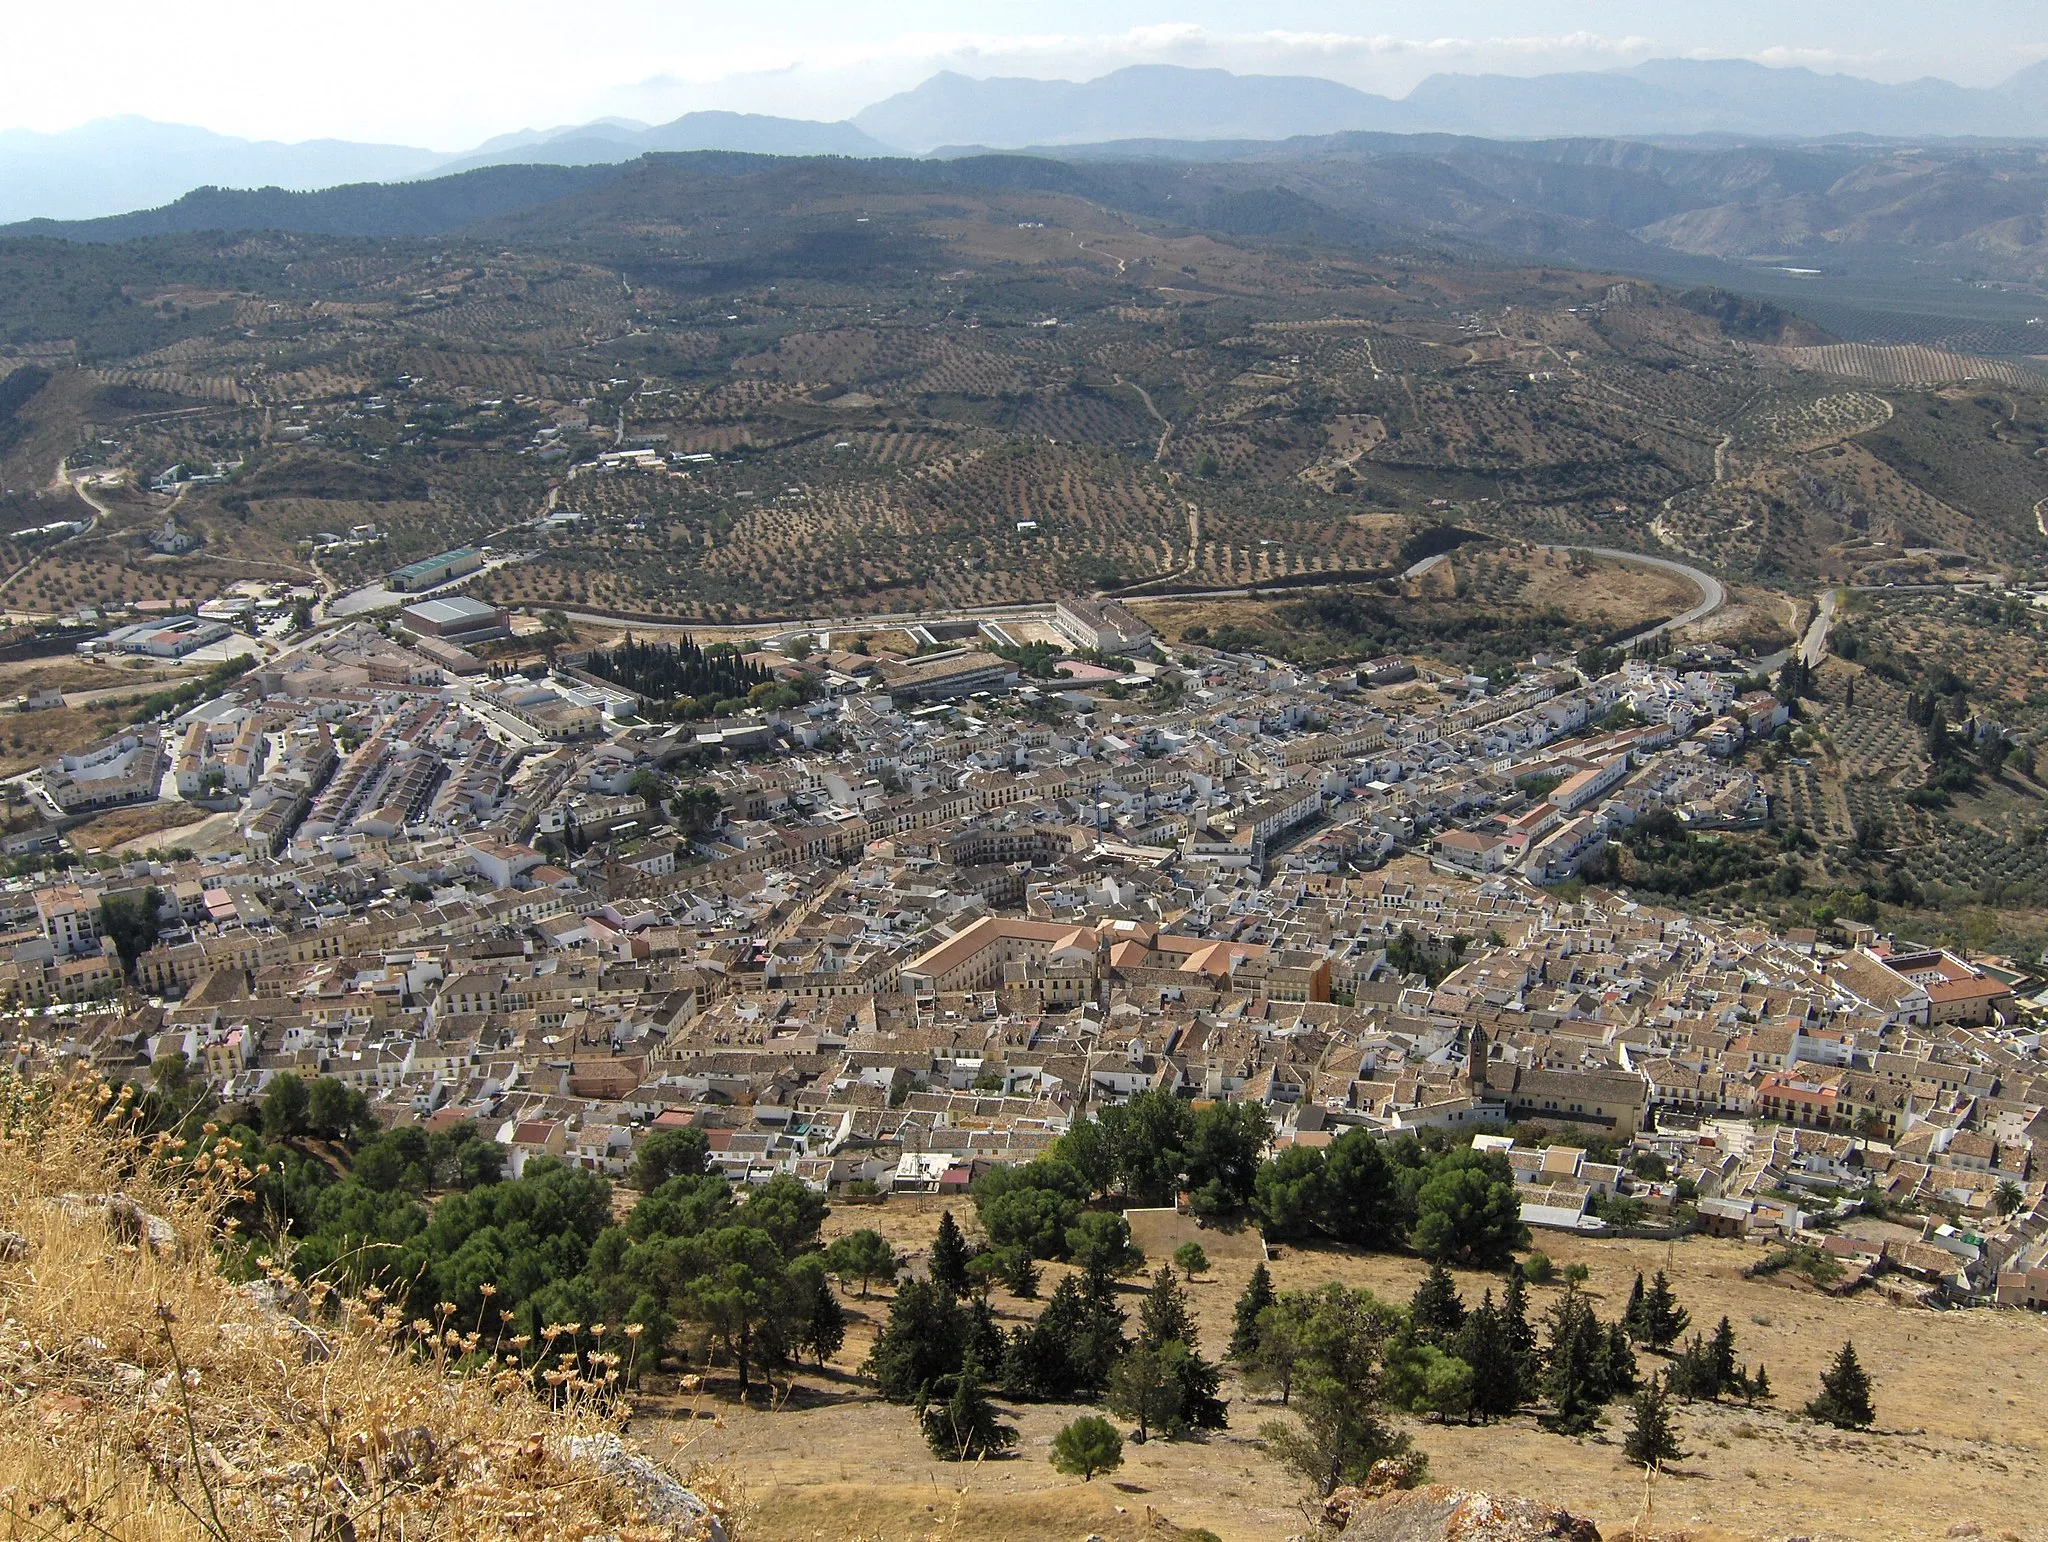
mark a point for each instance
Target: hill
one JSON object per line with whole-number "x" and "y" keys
{"x": 1731, "y": 215}
{"x": 367, "y": 209}
{"x": 195, "y": 1407}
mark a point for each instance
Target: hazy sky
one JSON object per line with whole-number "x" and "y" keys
{"x": 448, "y": 73}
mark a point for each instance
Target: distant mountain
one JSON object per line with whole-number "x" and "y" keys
{"x": 1152, "y": 101}
{"x": 1663, "y": 98}
{"x": 116, "y": 164}
{"x": 612, "y": 141}
{"x": 1725, "y": 96}
{"x": 371, "y": 209}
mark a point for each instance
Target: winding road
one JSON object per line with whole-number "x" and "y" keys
{"x": 1713, "y": 595}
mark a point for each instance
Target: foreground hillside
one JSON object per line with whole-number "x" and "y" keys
{"x": 1959, "y": 1443}
{"x": 151, "y": 1397}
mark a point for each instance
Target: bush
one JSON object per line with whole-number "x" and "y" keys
{"x": 1539, "y": 1269}
{"x": 1087, "y": 1446}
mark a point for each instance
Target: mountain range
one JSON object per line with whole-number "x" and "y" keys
{"x": 119, "y": 164}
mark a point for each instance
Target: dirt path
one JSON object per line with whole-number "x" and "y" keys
{"x": 1165, "y": 425}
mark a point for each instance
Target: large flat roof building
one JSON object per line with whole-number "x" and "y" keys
{"x": 456, "y": 618}
{"x": 429, "y": 572}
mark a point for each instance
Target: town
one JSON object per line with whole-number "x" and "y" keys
{"x": 881, "y": 921}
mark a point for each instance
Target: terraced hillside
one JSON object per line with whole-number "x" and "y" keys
{"x": 860, "y": 386}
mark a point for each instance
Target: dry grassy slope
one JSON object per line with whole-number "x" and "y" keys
{"x": 146, "y": 1398}
{"x": 1961, "y": 1440}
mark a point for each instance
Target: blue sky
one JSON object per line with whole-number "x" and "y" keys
{"x": 448, "y": 73}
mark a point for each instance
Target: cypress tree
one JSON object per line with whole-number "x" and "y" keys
{"x": 824, "y": 1319}
{"x": 1514, "y": 1319}
{"x": 1166, "y": 1327}
{"x": 1618, "y": 1362}
{"x": 1436, "y": 1309}
{"x": 948, "y": 1268}
{"x": 1652, "y": 1440}
{"x": 1498, "y": 1384}
{"x": 1572, "y": 1373}
{"x": 965, "y": 1427}
{"x": 1665, "y": 1319}
{"x": 1691, "y": 1375}
{"x": 923, "y": 1341}
{"x": 1164, "y": 1317}
{"x": 1258, "y": 1295}
{"x": 1721, "y": 1358}
{"x": 1635, "y": 1316}
{"x": 984, "y": 1348}
{"x": 1844, "y": 1399}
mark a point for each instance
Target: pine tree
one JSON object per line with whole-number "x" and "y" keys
{"x": 966, "y": 1426}
{"x": 1652, "y": 1440}
{"x": 1844, "y": 1399}
{"x": 1436, "y": 1309}
{"x": 1635, "y": 1316}
{"x": 1665, "y": 1319}
{"x": 1258, "y": 1295}
{"x": 1756, "y": 1386}
{"x": 1721, "y": 1358}
{"x": 1498, "y": 1383}
{"x": 1087, "y": 1446}
{"x": 948, "y": 1268}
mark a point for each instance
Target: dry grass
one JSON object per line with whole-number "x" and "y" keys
{"x": 1960, "y": 1440}
{"x": 149, "y": 1398}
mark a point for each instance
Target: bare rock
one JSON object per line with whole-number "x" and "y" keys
{"x": 13, "y": 1247}
{"x": 130, "y": 1224}
{"x": 1435, "y": 1513}
{"x": 285, "y": 1305}
{"x": 1386, "y": 1476}
{"x": 659, "y": 1494}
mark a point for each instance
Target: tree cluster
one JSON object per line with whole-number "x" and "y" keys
{"x": 1452, "y": 1204}
{"x": 696, "y": 680}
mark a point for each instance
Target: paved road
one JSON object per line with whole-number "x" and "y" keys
{"x": 1813, "y": 648}
{"x": 1022, "y": 612}
{"x": 1428, "y": 565}
{"x": 1712, "y": 595}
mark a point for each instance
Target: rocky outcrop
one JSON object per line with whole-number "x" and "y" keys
{"x": 657, "y": 1493}
{"x": 128, "y": 1223}
{"x": 1435, "y": 1513}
